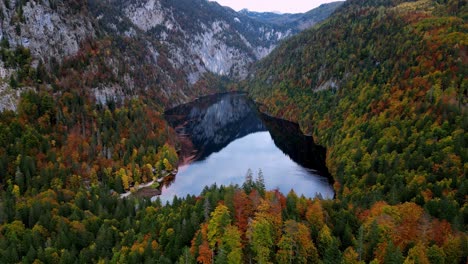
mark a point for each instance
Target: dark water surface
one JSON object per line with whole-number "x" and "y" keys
{"x": 223, "y": 136}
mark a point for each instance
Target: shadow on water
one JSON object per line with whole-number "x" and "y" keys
{"x": 299, "y": 147}
{"x": 212, "y": 122}
{"x": 210, "y": 125}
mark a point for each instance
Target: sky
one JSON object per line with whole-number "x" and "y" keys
{"x": 283, "y": 6}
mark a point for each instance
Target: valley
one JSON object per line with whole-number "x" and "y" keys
{"x": 332, "y": 136}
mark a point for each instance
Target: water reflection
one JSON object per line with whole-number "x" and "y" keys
{"x": 212, "y": 122}
{"x": 223, "y": 136}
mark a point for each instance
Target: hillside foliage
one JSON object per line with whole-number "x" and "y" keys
{"x": 222, "y": 225}
{"x": 382, "y": 84}
{"x": 68, "y": 142}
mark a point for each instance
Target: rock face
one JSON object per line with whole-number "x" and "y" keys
{"x": 50, "y": 30}
{"x": 163, "y": 48}
{"x": 203, "y": 36}
{"x": 47, "y": 29}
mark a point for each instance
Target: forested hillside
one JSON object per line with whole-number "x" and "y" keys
{"x": 382, "y": 84}
{"x": 223, "y": 225}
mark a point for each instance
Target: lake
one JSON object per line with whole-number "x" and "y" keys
{"x": 224, "y": 136}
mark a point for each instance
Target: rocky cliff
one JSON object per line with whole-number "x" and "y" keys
{"x": 49, "y": 30}
{"x": 168, "y": 50}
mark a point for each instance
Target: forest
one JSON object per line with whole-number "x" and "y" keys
{"x": 381, "y": 84}
{"x": 235, "y": 224}
{"x": 384, "y": 87}
{"x": 387, "y": 96}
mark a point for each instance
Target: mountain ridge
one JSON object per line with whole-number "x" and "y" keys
{"x": 180, "y": 47}
{"x": 298, "y": 21}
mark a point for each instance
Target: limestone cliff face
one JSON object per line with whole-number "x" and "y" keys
{"x": 51, "y": 30}
{"x": 203, "y": 37}
{"x": 164, "y": 48}
{"x": 48, "y": 30}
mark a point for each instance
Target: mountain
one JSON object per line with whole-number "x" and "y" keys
{"x": 34, "y": 34}
{"x": 170, "y": 50}
{"x": 299, "y": 21}
{"x": 383, "y": 85}
{"x": 272, "y": 17}
{"x": 204, "y": 35}
{"x": 315, "y": 15}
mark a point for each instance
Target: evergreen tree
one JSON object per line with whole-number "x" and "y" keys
{"x": 393, "y": 254}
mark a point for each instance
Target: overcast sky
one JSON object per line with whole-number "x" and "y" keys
{"x": 283, "y": 6}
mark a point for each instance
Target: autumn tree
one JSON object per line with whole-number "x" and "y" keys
{"x": 296, "y": 245}
{"x": 261, "y": 235}
{"x": 232, "y": 245}
{"x": 220, "y": 218}
{"x": 328, "y": 246}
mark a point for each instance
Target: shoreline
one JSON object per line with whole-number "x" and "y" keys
{"x": 145, "y": 189}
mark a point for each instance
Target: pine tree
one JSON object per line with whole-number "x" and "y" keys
{"x": 260, "y": 183}
{"x": 393, "y": 254}
{"x": 248, "y": 183}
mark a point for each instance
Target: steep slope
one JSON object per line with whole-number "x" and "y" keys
{"x": 382, "y": 84}
{"x": 315, "y": 15}
{"x": 202, "y": 36}
{"x": 272, "y": 17}
{"x": 166, "y": 50}
{"x": 49, "y": 32}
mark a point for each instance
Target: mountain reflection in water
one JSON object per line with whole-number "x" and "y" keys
{"x": 222, "y": 136}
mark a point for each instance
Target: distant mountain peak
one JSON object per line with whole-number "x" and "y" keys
{"x": 277, "y": 12}
{"x": 295, "y": 21}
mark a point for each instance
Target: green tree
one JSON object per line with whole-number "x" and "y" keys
{"x": 232, "y": 245}
{"x": 220, "y": 218}
{"x": 435, "y": 255}
{"x": 393, "y": 254}
{"x": 19, "y": 179}
{"x": 261, "y": 235}
{"x": 296, "y": 245}
{"x": 186, "y": 257}
{"x": 328, "y": 246}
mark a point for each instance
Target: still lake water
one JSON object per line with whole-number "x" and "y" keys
{"x": 223, "y": 136}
